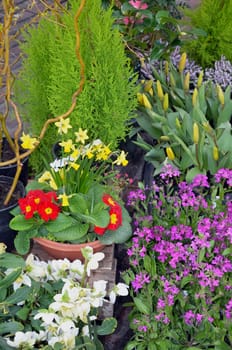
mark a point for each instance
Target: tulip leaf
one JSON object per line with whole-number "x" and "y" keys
{"x": 108, "y": 326}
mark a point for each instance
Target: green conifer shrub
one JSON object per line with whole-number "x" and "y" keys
{"x": 50, "y": 74}
{"x": 214, "y": 18}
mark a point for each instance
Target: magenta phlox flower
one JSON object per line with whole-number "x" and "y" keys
{"x": 200, "y": 181}
{"x": 224, "y": 174}
{"x": 162, "y": 317}
{"x": 140, "y": 280}
{"x": 134, "y": 196}
{"x": 228, "y": 309}
{"x": 161, "y": 303}
{"x": 189, "y": 317}
{"x": 142, "y": 328}
{"x": 169, "y": 171}
{"x": 138, "y": 4}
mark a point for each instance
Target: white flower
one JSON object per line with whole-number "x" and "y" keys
{"x": 36, "y": 269}
{"x": 47, "y": 316}
{"x": 93, "y": 262}
{"x": 119, "y": 289}
{"x": 60, "y": 163}
{"x": 23, "y": 279}
{"x": 58, "y": 268}
{"x": 76, "y": 269}
{"x": 23, "y": 340}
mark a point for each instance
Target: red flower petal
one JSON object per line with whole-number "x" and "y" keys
{"x": 99, "y": 230}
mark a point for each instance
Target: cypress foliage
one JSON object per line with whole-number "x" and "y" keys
{"x": 108, "y": 99}
{"x": 214, "y": 17}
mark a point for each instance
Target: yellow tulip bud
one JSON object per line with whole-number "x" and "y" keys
{"x": 221, "y": 96}
{"x": 194, "y": 97}
{"x": 146, "y": 102}
{"x": 178, "y": 123}
{"x": 200, "y": 79}
{"x": 166, "y": 68}
{"x": 165, "y": 102}
{"x": 151, "y": 92}
{"x": 186, "y": 81}
{"x": 140, "y": 98}
{"x": 195, "y": 133}
{"x": 172, "y": 80}
{"x": 182, "y": 62}
{"x": 148, "y": 85}
{"x": 142, "y": 62}
{"x": 164, "y": 138}
{"x": 207, "y": 127}
{"x": 215, "y": 153}
{"x": 170, "y": 153}
{"x": 159, "y": 90}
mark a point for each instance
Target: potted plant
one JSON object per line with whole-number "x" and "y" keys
{"x": 54, "y": 304}
{"x": 180, "y": 262}
{"x": 71, "y": 201}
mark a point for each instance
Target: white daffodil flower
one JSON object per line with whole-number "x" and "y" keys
{"x": 22, "y": 340}
{"x": 119, "y": 289}
{"x": 60, "y": 163}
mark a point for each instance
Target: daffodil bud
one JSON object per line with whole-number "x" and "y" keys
{"x": 172, "y": 80}
{"x": 194, "y": 97}
{"x": 200, "y": 79}
{"x": 215, "y": 153}
{"x": 170, "y": 153}
{"x": 186, "y": 81}
{"x": 195, "y": 133}
{"x": 165, "y": 102}
{"x": 142, "y": 62}
{"x": 146, "y": 102}
{"x": 159, "y": 90}
{"x": 140, "y": 98}
{"x": 182, "y": 62}
{"x": 178, "y": 123}
{"x": 164, "y": 138}
{"x": 221, "y": 96}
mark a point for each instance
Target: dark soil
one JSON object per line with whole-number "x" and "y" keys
{"x": 4, "y": 189}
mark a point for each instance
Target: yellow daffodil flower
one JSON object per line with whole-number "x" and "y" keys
{"x": 81, "y": 136}
{"x": 67, "y": 145}
{"x": 63, "y": 125}
{"x": 74, "y": 165}
{"x": 75, "y": 154}
{"x": 46, "y": 176}
{"x": 64, "y": 199}
{"x": 121, "y": 160}
{"x": 28, "y": 142}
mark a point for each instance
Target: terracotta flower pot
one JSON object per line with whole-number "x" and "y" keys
{"x": 59, "y": 250}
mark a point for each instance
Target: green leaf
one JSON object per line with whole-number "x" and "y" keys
{"x": 78, "y": 204}
{"x": 61, "y": 223}
{"x": 9, "y": 260}
{"x": 72, "y": 233}
{"x": 10, "y": 327}
{"x": 192, "y": 173}
{"x": 19, "y": 295}
{"x": 141, "y": 305}
{"x": 22, "y": 314}
{"x": 22, "y": 242}
{"x": 108, "y": 326}
{"x": 131, "y": 345}
{"x": 9, "y": 279}
{"x": 201, "y": 255}
{"x": 19, "y": 223}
